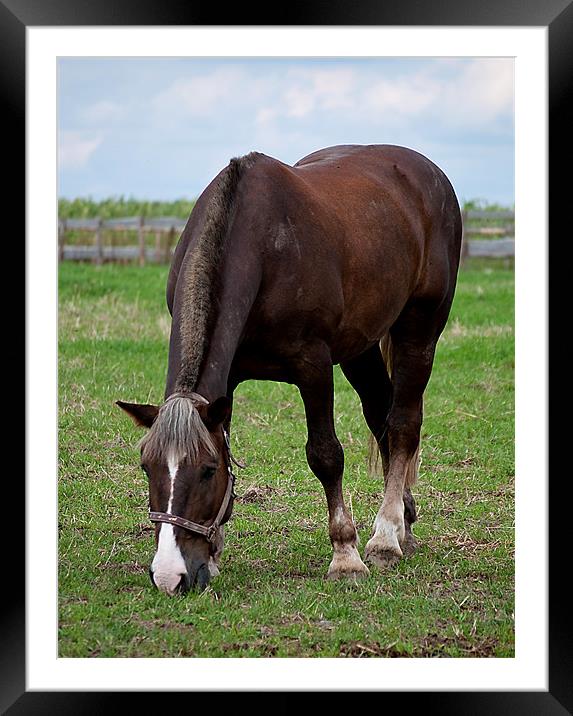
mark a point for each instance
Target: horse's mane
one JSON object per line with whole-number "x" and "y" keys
{"x": 200, "y": 273}
{"x": 178, "y": 430}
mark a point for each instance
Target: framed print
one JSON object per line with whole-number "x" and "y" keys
{"x": 56, "y": 55}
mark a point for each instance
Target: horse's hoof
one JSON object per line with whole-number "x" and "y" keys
{"x": 348, "y": 566}
{"x": 409, "y": 545}
{"x": 381, "y": 555}
{"x": 383, "y": 559}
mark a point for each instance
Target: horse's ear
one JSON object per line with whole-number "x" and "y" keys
{"x": 217, "y": 412}
{"x": 142, "y": 415}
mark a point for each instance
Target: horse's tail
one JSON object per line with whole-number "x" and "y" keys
{"x": 374, "y": 455}
{"x": 386, "y": 350}
{"x": 375, "y": 462}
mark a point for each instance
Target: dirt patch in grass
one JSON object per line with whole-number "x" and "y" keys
{"x": 256, "y": 494}
{"x": 258, "y": 645}
{"x": 361, "y": 650}
{"x": 430, "y": 646}
{"x": 142, "y": 530}
{"x": 435, "y": 645}
{"x": 462, "y": 543}
{"x": 129, "y": 567}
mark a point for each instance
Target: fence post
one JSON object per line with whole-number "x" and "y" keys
{"x": 158, "y": 239}
{"x": 98, "y": 259}
{"x": 112, "y": 242}
{"x": 141, "y": 237}
{"x": 167, "y": 245}
{"x": 61, "y": 239}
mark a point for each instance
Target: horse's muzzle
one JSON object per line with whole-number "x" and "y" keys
{"x": 196, "y": 578}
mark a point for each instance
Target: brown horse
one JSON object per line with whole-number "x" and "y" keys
{"x": 351, "y": 257}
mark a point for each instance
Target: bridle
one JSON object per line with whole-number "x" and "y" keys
{"x": 210, "y": 531}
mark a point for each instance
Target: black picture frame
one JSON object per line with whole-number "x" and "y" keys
{"x": 557, "y": 16}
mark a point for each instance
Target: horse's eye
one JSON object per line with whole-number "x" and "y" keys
{"x": 207, "y": 471}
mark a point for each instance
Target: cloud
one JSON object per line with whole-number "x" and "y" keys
{"x": 456, "y": 94}
{"x": 299, "y": 101}
{"x": 265, "y": 115}
{"x": 319, "y": 89}
{"x": 487, "y": 89}
{"x": 412, "y": 96}
{"x": 101, "y": 112}
{"x": 474, "y": 94}
{"x": 75, "y": 148}
{"x": 452, "y": 94}
{"x": 200, "y": 95}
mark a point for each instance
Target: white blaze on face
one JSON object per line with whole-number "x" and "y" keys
{"x": 168, "y": 564}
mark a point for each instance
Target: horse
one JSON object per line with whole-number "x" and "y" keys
{"x": 350, "y": 257}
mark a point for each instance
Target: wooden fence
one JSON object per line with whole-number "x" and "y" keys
{"x": 133, "y": 238}
{"x": 486, "y": 233}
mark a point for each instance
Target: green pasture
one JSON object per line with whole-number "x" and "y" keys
{"x": 453, "y": 598}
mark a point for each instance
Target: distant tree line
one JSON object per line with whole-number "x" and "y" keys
{"x": 120, "y": 207}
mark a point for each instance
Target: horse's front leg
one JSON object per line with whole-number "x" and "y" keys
{"x": 326, "y": 459}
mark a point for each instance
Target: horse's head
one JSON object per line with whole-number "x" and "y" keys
{"x": 186, "y": 457}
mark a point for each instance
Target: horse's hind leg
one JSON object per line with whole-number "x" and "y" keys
{"x": 326, "y": 459}
{"x": 413, "y": 343}
{"x": 368, "y": 375}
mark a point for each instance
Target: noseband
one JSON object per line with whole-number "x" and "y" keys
{"x": 210, "y": 531}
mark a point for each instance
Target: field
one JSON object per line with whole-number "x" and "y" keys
{"x": 453, "y": 598}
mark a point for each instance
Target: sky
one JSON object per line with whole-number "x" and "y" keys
{"x": 162, "y": 128}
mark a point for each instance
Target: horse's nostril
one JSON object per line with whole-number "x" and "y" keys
{"x": 183, "y": 585}
{"x": 203, "y": 577}
{"x": 197, "y": 576}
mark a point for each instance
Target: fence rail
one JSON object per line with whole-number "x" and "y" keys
{"x": 479, "y": 224}
{"x": 164, "y": 229}
{"x": 161, "y": 223}
{"x": 101, "y": 237}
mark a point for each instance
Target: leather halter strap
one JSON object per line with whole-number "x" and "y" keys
{"x": 207, "y": 531}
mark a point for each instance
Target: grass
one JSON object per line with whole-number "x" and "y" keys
{"x": 453, "y": 598}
